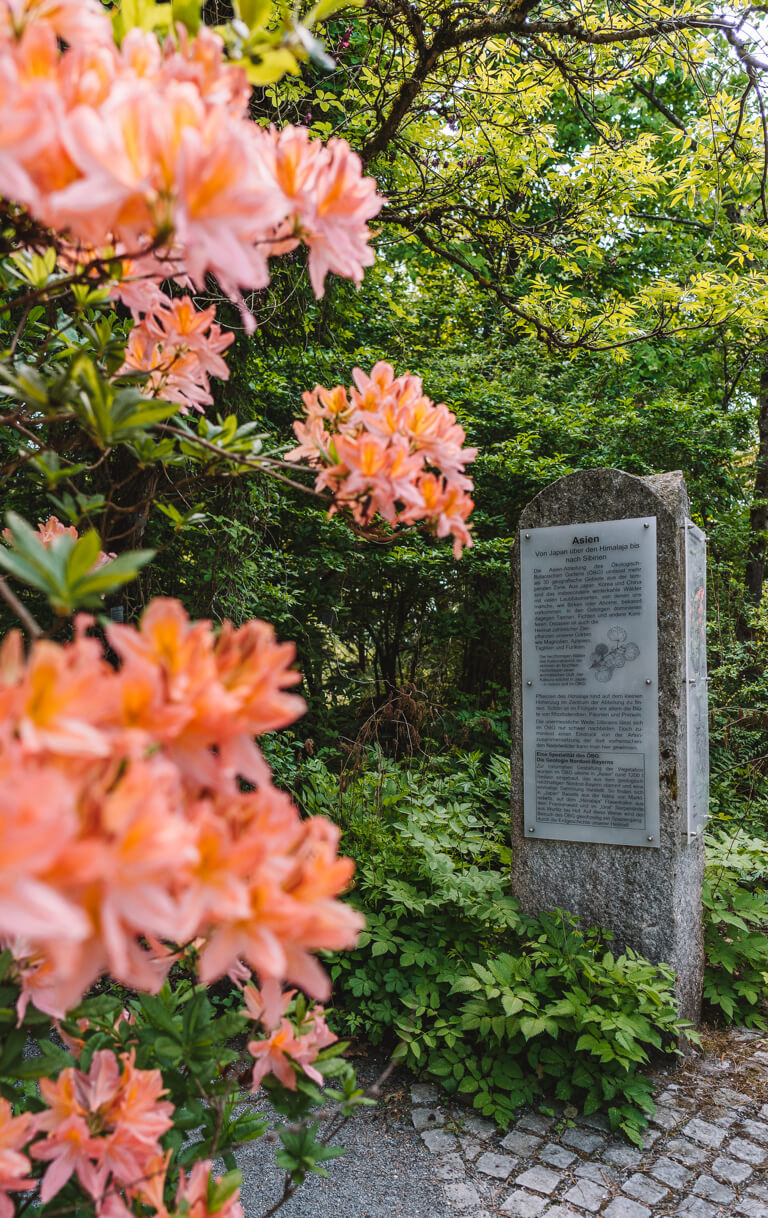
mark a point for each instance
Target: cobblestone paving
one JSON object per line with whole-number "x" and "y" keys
{"x": 704, "y": 1156}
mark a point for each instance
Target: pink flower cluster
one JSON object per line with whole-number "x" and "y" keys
{"x": 15, "y": 1132}
{"x": 148, "y": 149}
{"x": 180, "y": 347}
{"x": 124, "y": 825}
{"x": 383, "y": 447}
{"x": 103, "y": 1126}
{"x": 283, "y": 1046}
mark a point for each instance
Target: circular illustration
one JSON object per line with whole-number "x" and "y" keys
{"x": 605, "y": 659}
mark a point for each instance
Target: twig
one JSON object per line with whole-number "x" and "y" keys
{"x": 24, "y": 616}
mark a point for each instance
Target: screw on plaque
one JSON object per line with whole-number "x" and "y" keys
{"x": 648, "y": 681}
{"x": 646, "y": 526}
{"x": 529, "y": 682}
{"x": 527, "y": 537}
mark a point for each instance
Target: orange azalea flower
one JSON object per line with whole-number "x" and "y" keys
{"x": 387, "y": 449}
{"x": 14, "y": 1166}
{"x": 108, "y": 773}
{"x": 104, "y": 1125}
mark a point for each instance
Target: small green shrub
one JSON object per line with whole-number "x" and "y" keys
{"x": 735, "y": 924}
{"x": 500, "y": 1007}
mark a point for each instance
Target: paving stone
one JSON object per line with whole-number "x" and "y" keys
{"x": 596, "y": 1120}
{"x": 705, "y": 1186}
{"x": 599, "y": 1172}
{"x": 696, "y": 1207}
{"x": 650, "y": 1137}
{"x": 763, "y": 1113}
{"x": 756, "y": 1129}
{"x": 556, "y": 1156}
{"x": 586, "y": 1195}
{"x": 705, "y": 1132}
{"x": 687, "y": 1152}
{"x": 449, "y": 1167}
{"x": 587, "y": 1140}
{"x": 426, "y": 1118}
{"x": 673, "y": 1096}
{"x": 479, "y": 1126}
{"x": 462, "y": 1194}
{"x": 498, "y": 1166}
{"x": 621, "y": 1155}
{"x": 731, "y": 1170}
{"x": 470, "y": 1147}
{"x": 424, "y": 1093}
{"x": 670, "y": 1173}
{"x": 622, "y": 1207}
{"x": 561, "y": 1211}
{"x": 540, "y": 1179}
{"x": 749, "y": 1151}
{"x": 536, "y": 1122}
{"x": 643, "y": 1188}
{"x": 752, "y": 1207}
{"x": 438, "y": 1141}
{"x": 726, "y": 1095}
{"x": 519, "y": 1143}
{"x": 668, "y": 1118}
{"x": 522, "y": 1204}
{"x": 759, "y": 1190}
{"x": 725, "y": 1120}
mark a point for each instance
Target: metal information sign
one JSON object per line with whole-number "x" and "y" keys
{"x": 590, "y": 682}
{"x": 697, "y": 714}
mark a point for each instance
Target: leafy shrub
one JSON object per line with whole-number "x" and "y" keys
{"x": 735, "y": 923}
{"x": 499, "y": 1006}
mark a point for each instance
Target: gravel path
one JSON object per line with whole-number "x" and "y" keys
{"x": 419, "y": 1155}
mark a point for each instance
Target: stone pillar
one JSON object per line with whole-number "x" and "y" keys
{"x": 648, "y": 895}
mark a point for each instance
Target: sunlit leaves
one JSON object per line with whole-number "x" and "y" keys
{"x": 67, "y": 571}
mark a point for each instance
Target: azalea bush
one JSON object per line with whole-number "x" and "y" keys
{"x": 145, "y": 850}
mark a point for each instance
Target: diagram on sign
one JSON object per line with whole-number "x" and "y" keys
{"x": 605, "y": 659}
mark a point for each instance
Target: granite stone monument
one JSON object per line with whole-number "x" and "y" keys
{"x": 609, "y": 714}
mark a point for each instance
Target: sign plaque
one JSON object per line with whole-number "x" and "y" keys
{"x": 590, "y": 682}
{"x": 697, "y": 714}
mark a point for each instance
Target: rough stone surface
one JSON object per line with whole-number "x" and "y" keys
{"x": 462, "y": 1195}
{"x": 583, "y": 1139}
{"x": 644, "y": 1189}
{"x": 426, "y": 1118}
{"x": 587, "y": 1195}
{"x": 732, "y": 1170}
{"x": 556, "y": 1156}
{"x": 438, "y": 1141}
{"x": 479, "y": 1126}
{"x": 424, "y": 1093}
{"x": 621, "y": 1155}
{"x": 696, "y": 1207}
{"x": 705, "y": 1133}
{"x": 687, "y": 1152}
{"x": 649, "y": 898}
{"x": 522, "y": 1204}
{"x": 541, "y": 1179}
{"x": 521, "y": 1143}
{"x": 707, "y": 1187}
{"x": 670, "y": 1173}
{"x": 622, "y": 1207}
{"x": 749, "y": 1151}
{"x": 499, "y": 1166}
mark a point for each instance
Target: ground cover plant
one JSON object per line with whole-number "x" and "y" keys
{"x": 502, "y": 1008}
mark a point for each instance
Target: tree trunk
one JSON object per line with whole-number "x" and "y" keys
{"x": 754, "y": 576}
